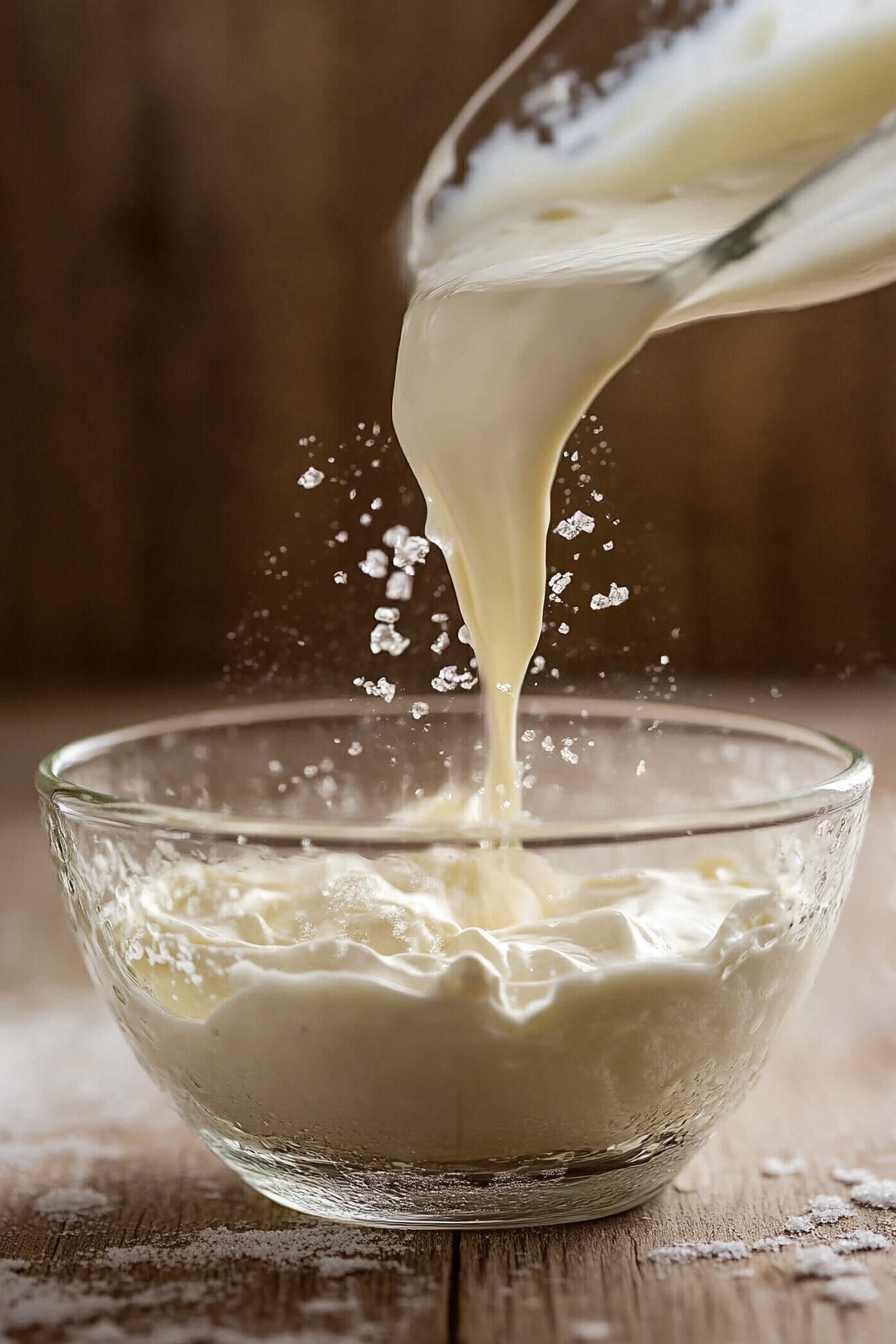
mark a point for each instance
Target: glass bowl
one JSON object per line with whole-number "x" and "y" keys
{"x": 379, "y": 1011}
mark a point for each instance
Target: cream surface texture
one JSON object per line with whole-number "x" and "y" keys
{"x": 452, "y": 1006}
{"x": 448, "y": 1007}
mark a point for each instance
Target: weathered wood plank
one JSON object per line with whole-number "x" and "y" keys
{"x": 197, "y": 267}
{"x": 827, "y": 1096}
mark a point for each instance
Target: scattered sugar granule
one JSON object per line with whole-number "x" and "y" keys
{"x": 340, "y": 576}
{"x": 829, "y": 1209}
{"x": 335, "y": 1252}
{"x": 407, "y": 550}
{"x": 384, "y": 638}
{"x": 860, "y": 1239}
{"x": 450, "y": 679}
{"x": 441, "y": 642}
{"x": 852, "y": 1175}
{"x": 375, "y": 563}
{"x": 419, "y": 709}
{"x": 399, "y": 586}
{"x": 823, "y": 1209}
{"x": 820, "y": 1262}
{"x": 311, "y": 478}
{"x": 71, "y": 1202}
{"x": 571, "y": 527}
{"x": 382, "y": 688}
{"x": 875, "y": 1194}
{"x": 799, "y": 1223}
{"x": 773, "y": 1244}
{"x": 557, "y": 582}
{"x": 687, "y": 1251}
{"x": 88, "y": 1088}
{"x": 395, "y": 536}
{"x": 857, "y": 1292}
{"x": 29, "y": 1303}
{"x": 584, "y": 1332}
{"x": 614, "y": 598}
{"x": 779, "y": 1166}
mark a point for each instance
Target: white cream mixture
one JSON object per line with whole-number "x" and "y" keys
{"x": 375, "y": 1010}
{"x": 453, "y": 1006}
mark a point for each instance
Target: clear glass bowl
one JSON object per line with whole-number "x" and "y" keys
{"x": 243, "y": 886}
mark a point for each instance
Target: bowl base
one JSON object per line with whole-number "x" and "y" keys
{"x": 402, "y": 1195}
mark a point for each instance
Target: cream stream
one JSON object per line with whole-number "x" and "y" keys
{"x": 533, "y": 278}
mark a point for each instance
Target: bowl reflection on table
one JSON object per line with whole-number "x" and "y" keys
{"x": 376, "y": 1011}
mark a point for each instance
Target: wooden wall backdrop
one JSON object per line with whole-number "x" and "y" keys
{"x": 196, "y": 269}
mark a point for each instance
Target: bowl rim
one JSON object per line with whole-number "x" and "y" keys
{"x": 832, "y": 794}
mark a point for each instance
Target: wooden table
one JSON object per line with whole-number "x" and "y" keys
{"x": 117, "y": 1225}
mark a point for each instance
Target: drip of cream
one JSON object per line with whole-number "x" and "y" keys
{"x": 539, "y": 276}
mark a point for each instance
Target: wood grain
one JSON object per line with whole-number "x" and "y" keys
{"x": 828, "y": 1095}
{"x": 198, "y": 268}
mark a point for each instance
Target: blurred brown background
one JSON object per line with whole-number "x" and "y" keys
{"x": 197, "y": 270}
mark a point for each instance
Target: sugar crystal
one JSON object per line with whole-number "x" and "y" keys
{"x": 829, "y": 1209}
{"x": 382, "y": 688}
{"x": 687, "y": 1251}
{"x": 386, "y": 639}
{"x": 71, "y": 1202}
{"x": 614, "y": 598}
{"x": 399, "y": 586}
{"x": 820, "y": 1262}
{"x": 375, "y": 563}
{"x": 852, "y": 1175}
{"x": 857, "y": 1292}
{"x": 778, "y": 1166}
{"x": 571, "y": 527}
{"x": 799, "y": 1223}
{"x": 860, "y": 1239}
{"x": 450, "y": 679}
{"x": 410, "y": 551}
{"x": 875, "y": 1194}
